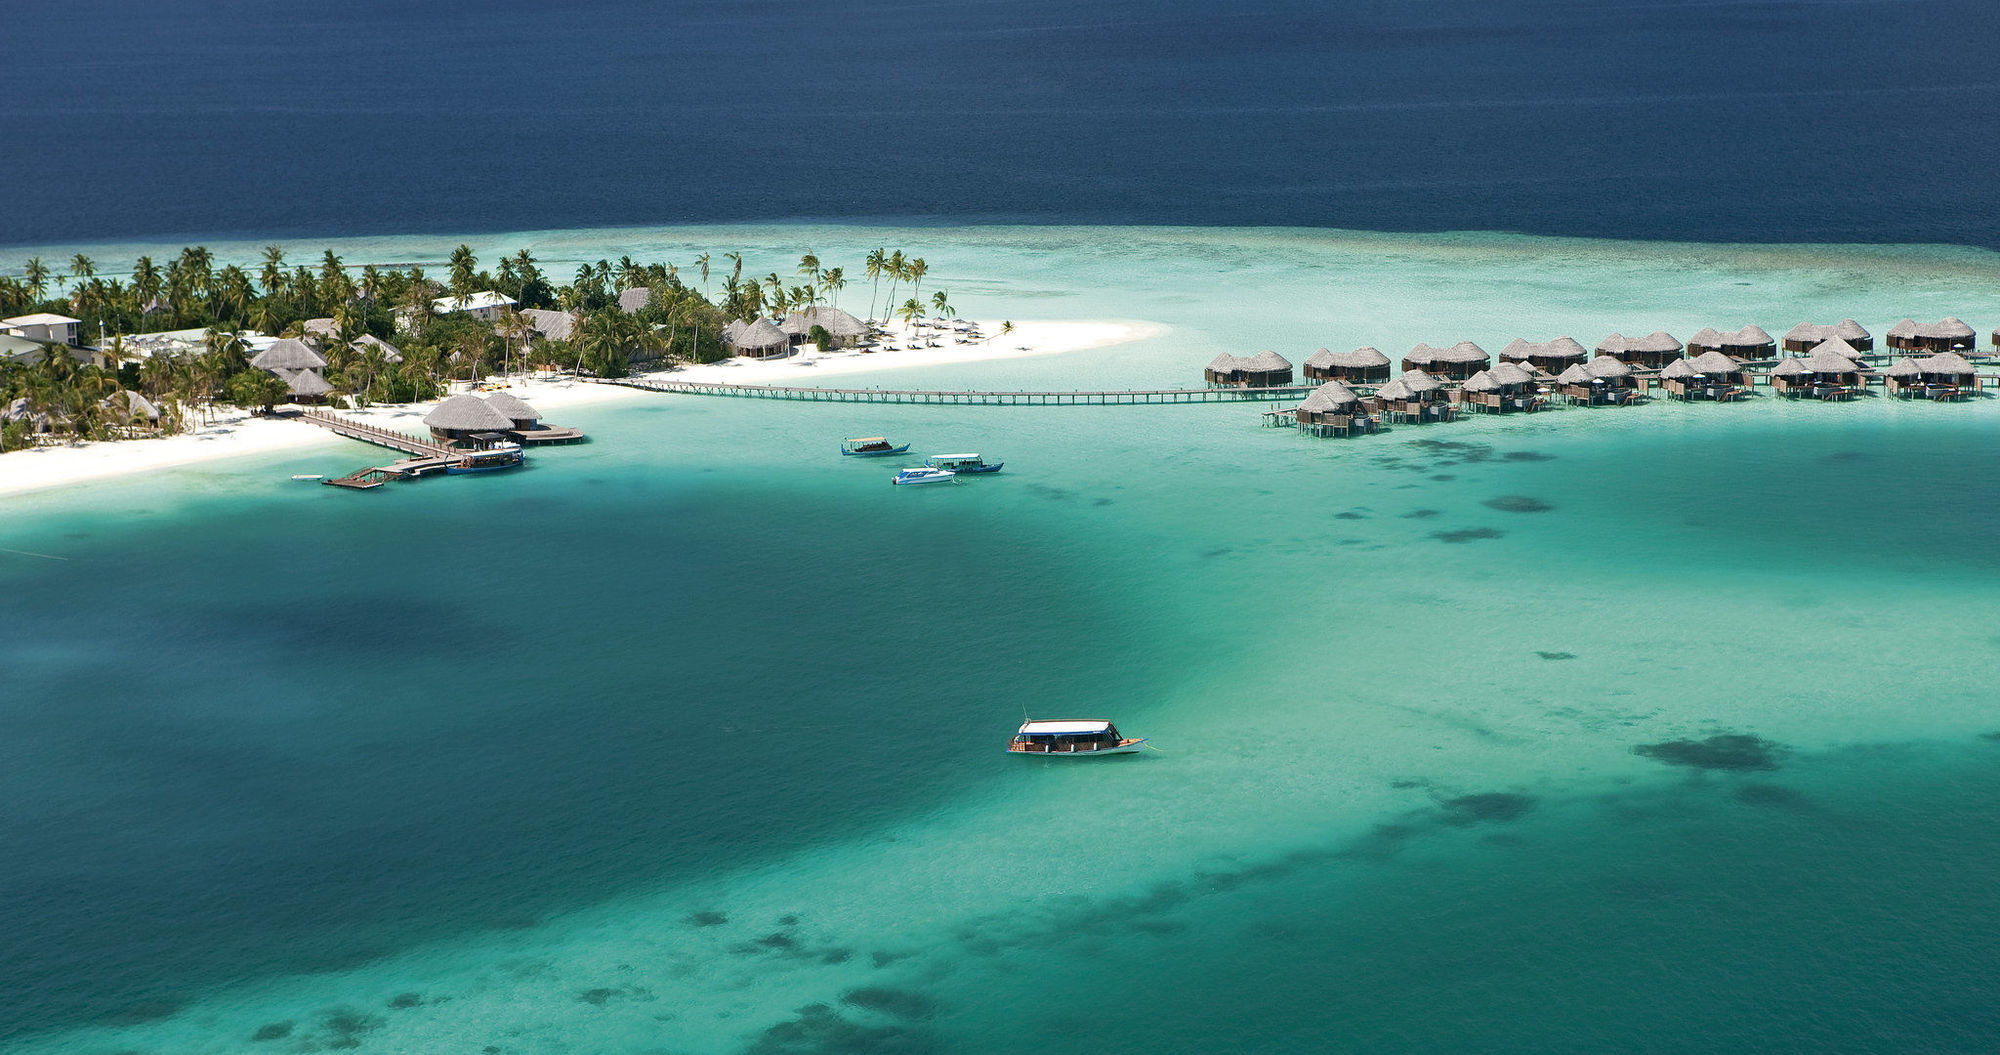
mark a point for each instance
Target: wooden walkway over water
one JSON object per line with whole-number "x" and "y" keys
{"x": 990, "y": 399}
{"x": 426, "y": 456}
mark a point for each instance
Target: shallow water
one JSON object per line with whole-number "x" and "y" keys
{"x": 688, "y": 739}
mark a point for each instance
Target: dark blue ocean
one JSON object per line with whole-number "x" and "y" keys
{"x": 1779, "y": 121}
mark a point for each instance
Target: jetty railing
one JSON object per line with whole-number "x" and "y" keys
{"x": 375, "y": 434}
{"x": 967, "y": 398}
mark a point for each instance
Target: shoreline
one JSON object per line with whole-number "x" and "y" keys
{"x": 239, "y": 433}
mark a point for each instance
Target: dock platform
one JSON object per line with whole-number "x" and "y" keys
{"x": 1218, "y": 394}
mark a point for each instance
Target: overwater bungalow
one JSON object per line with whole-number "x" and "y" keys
{"x": 527, "y": 421}
{"x": 1806, "y": 336}
{"x": 1333, "y": 410}
{"x": 1710, "y": 375}
{"x": 1750, "y": 342}
{"x": 1456, "y": 363}
{"x": 1944, "y": 376}
{"x": 761, "y": 340}
{"x": 1946, "y": 335}
{"x": 846, "y": 330}
{"x": 1415, "y": 397}
{"x": 1603, "y": 381}
{"x": 1504, "y": 389}
{"x": 1362, "y": 365}
{"x": 1830, "y": 373}
{"x": 1550, "y": 357}
{"x": 467, "y": 417}
{"x": 1266, "y": 369}
{"x": 1652, "y": 351}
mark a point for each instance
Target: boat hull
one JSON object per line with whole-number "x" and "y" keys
{"x": 904, "y": 449}
{"x": 1125, "y": 747}
{"x": 979, "y": 469}
{"x": 918, "y": 481}
{"x": 463, "y": 470}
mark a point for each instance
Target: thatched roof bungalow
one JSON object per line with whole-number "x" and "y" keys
{"x": 1944, "y": 376}
{"x": 288, "y": 354}
{"x": 1652, "y": 351}
{"x": 1551, "y": 357}
{"x": 1946, "y": 335}
{"x": 1360, "y": 365}
{"x": 368, "y": 342}
{"x": 761, "y": 340}
{"x": 1505, "y": 388}
{"x": 1829, "y": 372}
{"x": 1266, "y": 369}
{"x": 1414, "y": 397}
{"x": 1750, "y": 342}
{"x": 1710, "y": 375}
{"x": 552, "y": 325}
{"x": 632, "y": 301}
{"x": 1603, "y": 381}
{"x": 1806, "y": 336}
{"x": 847, "y": 330}
{"x": 466, "y": 416}
{"x": 304, "y": 386}
{"x": 517, "y": 410}
{"x": 1456, "y": 363}
{"x": 127, "y": 407}
{"x": 1333, "y": 410}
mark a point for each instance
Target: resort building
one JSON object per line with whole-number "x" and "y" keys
{"x": 1457, "y": 362}
{"x": 322, "y": 330}
{"x": 1550, "y": 357}
{"x": 1710, "y": 375}
{"x": 297, "y": 365}
{"x": 759, "y": 340}
{"x": 1653, "y": 351}
{"x": 469, "y": 418}
{"x": 1505, "y": 388}
{"x": 1945, "y": 335}
{"x": 129, "y": 408}
{"x": 1944, "y": 376}
{"x": 632, "y": 301}
{"x": 1603, "y": 381}
{"x": 1266, "y": 369}
{"x": 551, "y": 325}
{"x": 1414, "y": 397}
{"x": 485, "y": 305}
{"x": 44, "y": 326}
{"x": 1362, "y": 365}
{"x": 368, "y": 342}
{"x": 1750, "y": 342}
{"x": 1806, "y": 336}
{"x": 1333, "y": 410}
{"x": 847, "y": 330}
{"x": 1830, "y": 372}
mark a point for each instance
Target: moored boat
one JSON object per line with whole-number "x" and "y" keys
{"x": 870, "y": 447}
{"x": 486, "y": 459}
{"x": 963, "y": 463}
{"x": 924, "y": 475}
{"x": 1071, "y": 737}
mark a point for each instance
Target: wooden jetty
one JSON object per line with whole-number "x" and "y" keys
{"x": 1223, "y": 394}
{"x": 426, "y": 456}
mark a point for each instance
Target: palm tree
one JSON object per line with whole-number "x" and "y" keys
{"x": 517, "y": 326}
{"x": 702, "y": 262}
{"x": 273, "y": 275}
{"x": 916, "y": 270}
{"x": 877, "y": 262}
{"x": 736, "y": 259}
{"x": 809, "y": 266}
{"x": 896, "y": 267}
{"x": 145, "y": 281}
{"x": 464, "y": 271}
{"x": 911, "y": 311}
{"x": 777, "y": 287}
{"x": 82, "y": 267}
{"x": 235, "y": 291}
{"x": 38, "y": 277}
{"x": 834, "y": 282}
{"x": 942, "y": 304}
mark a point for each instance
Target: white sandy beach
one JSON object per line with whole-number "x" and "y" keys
{"x": 235, "y": 433}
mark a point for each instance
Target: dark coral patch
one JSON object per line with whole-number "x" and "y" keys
{"x": 1464, "y": 535}
{"x": 896, "y": 1003}
{"x": 819, "y": 1030}
{"x": 1528, "y": 456}
{"x": 1554, "y": 656}
{"x": 272, "y": 1031}
{"x": 706, "y": 918}
{"x": 1421, "y": 514}
{"x": 1734, "y": 752}
{"x": 1517, "y": 504}
{"x": 402, "y": 1001}
{"x": 1492, "y": 806}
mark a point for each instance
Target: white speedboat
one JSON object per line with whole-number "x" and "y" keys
{"x": 1071, "y": 737}
{"x": 924, "y": 475}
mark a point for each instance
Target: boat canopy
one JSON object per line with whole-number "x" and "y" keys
{"x": 869, "y": 439}
{"x": 954, "y": 457}
{"x": 1072, "y": 727}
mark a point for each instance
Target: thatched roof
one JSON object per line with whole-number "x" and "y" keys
{"x": 19, "y": 410}
{"x": 131, "y": 406}
{"x": 837, "y": 322}
{"x": 1222, "y": 363}
{"x": 552, "y": 325}
{"x": 1608, "y": 366}
{"x": 304, "y": 382}
{"x": 1418, "y": 381}
{"x": 1560, "y": 348}
{"x": 1790, "y": 368}
{"x": 1481, "y": 382}
{"x": 515, "y": 408}
{"x": 320, "y": 328}
{"x": 1849, "y": 330}
{"x": 1364, "y": 357}
{"x": 1905, "y": 328}
{"x": 1809, "y": 334}
{"x": 468, "y": 413}
{"x": 761, "y": 334}
{"x": 1320, "y": 359}
{"x": 1946, "y": 363}
{"x": 1396, "y": 389}
{"x": 1330, "y": 396}
{"x": 1832, "y": 357}
{"x": 1679, "y": 368}
{"x": 1613, "y": 344}
{"x": 1948, "y": 328}
{"x": 1511, "y": 374}
{"x": 1267, "y": 361}
{"x": 1463, "y": 352}
{"x": 1706, "y": 337}
{"x": 1751, "y": 336}
{"x": 730, "y": 331}
{"x": 390, "y": 353}
{"x": 1567, "y": 346}
{"x": 631, "y": 300}
{"x": 288, "y": 354}
{"x": 1575, "y": 375}
{"x": 1904, "y": 367}
{"x": 1659, "y": 341}
{"x": 1716, "y": 363}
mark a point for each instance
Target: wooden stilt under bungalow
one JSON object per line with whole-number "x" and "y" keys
{"x": 1653, "y": 351}
{"x": 1550, "y": 357}
{"x": 1415, "y": 397}
{"x": 1504, "y": 389}
{"x": 1333, "y": 410}
{"x": 1946, "y": 335}
{"x": 1806, "y": 336}
{"x": 1361, "y": 366}
{"x": 1455, "y": 363}
{"x": 1266, "y": 369}
{"x": 1750, "y": 342}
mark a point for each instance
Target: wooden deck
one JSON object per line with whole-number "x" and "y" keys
{"x": 1226, "y": 394}
{"x": 375, "y": 434}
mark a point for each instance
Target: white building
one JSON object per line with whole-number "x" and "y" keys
{"x": 485, "y": 305}
{"x": 43, "y": 326}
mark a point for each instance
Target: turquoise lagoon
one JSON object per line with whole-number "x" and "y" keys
{"x": 688, "y": 740}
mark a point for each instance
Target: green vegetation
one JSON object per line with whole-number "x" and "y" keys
{"x": 60, "y": 394}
